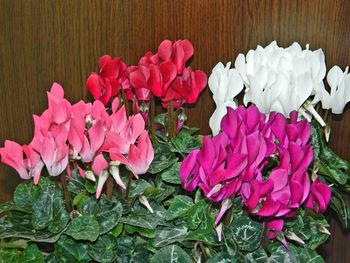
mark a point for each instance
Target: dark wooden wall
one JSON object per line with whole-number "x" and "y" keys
{"x": 45, "y": 41}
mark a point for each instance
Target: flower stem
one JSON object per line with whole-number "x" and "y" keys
{"x": 128, "y": 186}
{"x": 265, "y": 236}
{"x": 152, "y": 117}
{"x": 171, "y": 120}
{"x": 125, "y": 101}
{"x": 109, "y": 187}
{"x": 65, "y": 192}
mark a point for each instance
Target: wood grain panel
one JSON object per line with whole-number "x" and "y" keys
{"x": 42, "y": 41}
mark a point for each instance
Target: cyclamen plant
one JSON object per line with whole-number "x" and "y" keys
{"x": 255, "y": 191}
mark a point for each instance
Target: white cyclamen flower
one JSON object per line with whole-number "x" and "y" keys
{"x": 281, "y": 79}
{"x": 339, "y": 82}
{"x": 225, "y": 84}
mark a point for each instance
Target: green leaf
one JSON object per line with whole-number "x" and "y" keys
{"x": 308, "y": 255}
{"x": 281, "y": 254}
{"x": 104, "y": 249}
{"x": 340, "y": 205}
{"x": 179, "y": 205}
{"x": 51, "y": 259}
{"x": 77, "y": 184}
{"x": 139, "y": 254}
{"x": 258, "y": 256}
{"x": 161, "y": 119}
{"x": 90, "y": 186}
{"x": 205, "y": 228}
{"x": 31, "y": 255}
{"x": 158, "y": 194}
{"x": 195, "y": 214}
{"x": 25, "y": 195}
{"x": 10, "y": 206}
{"x": 19, "y": 226}
{"x": 172, "y": 175}
{"x": 222, "y": 257}
{"x": 117, "y": 230}
{"x": 49, "y": 210}
{"x": 306, "y": 226}
{"x": 184, "y": 142}
{"x": 106, "y": 212}
{"x": 331, "y": 165}
{"x": 69, "y": 250}
{"x": 138, "y": 187}
{"x": 247, "y": 233}
{"x": 149, "y": 233}
{"x": 141, "y": 217}
{"x": 170, "y": 235}
{"x": 171, "y": 254}
{"x": 125, "y": 248}
{"x": 163, "y": 158}
{"x": 83, "y": 228}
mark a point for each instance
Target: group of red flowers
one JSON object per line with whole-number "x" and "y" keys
{"x": 163, "y": 75}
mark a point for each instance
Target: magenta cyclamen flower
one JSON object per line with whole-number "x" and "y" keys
{"x": 232, "y": 164}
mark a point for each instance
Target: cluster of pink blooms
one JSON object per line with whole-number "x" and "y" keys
{"x": 163, "y": 75}
{"x": 236, "y": 163}
{"x": 85, "y": 136}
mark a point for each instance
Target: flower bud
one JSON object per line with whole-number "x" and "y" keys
{"x": 323, "y": 230}
{"x": 114, "y": 170}
{"x": 225, "y": 205}
{"x": 90, "y": 175}
{"x": 214, "y": 190}
{"x": 143, "y": 200}
{"x": 327, "y": 132}
{"x": 308, "y": 106}
{"x": 218, "y": 230}
{"x": 292, "y": 236}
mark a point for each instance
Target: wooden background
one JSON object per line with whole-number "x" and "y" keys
{"x": 46, "y": 41}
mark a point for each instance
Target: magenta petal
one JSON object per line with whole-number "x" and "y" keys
{"x": 236, "y": 163}
{"x": 276, "y": 225}
{"x": 189, "y": 170}
{"x": 229, "y": 123}
{"x": 269, "y": 208}
{"x": 206, "y": 156}
{"x": 279, "y": 177}
{"x": 296, "y": 191}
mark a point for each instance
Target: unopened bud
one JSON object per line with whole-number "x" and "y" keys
{"x": 90, "y": 175}
{"x": 292, "y": 236}
{"x": 226, "y": 205}
{"x": 144, "y": 106}
{"x": 327, "y": 132}
{"x": 214, "y": 190}
{"x": 218, "y": 230}
{"x": 280, "y": 237}
{"x": 143, "y": 200}
{"x": 114, "y": 163}
{"x": 323, "y": 230}
{"x": 308, "y": 106}
{"x": 114, "y": 170}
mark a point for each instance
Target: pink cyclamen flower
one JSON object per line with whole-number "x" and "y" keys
{"x": 29, "y": 167}
{"x": 140, "y": 156}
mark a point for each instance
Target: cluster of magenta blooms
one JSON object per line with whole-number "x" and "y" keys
{"x": 233, "y": 163}
{"x": 98, "y": 137}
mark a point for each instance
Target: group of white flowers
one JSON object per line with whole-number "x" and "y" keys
{"x": 279, "y": 79}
